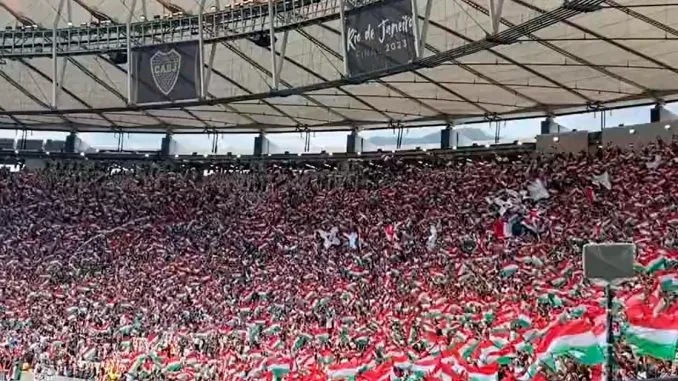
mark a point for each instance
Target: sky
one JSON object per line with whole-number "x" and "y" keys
{"x": 336, "y": 141}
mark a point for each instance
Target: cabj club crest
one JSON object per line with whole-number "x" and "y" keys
{"x": 165, "y": 68}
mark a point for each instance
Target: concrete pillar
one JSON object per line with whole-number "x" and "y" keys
{"x": 261, "y": 145}
{"x": 449, "y": 138}
{"x": 354, "y": 143}
{"x": 168, "y": 146}
{"x": 659, "y": 113}
{"x": 549, "y": 126}
{"x": 72, "y": 143}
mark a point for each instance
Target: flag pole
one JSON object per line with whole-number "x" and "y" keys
{"x": 609, "y": 295}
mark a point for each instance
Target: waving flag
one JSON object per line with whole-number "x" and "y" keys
{"x": 485, "y": 373}
{"x": 656, "y": 337}
{"x": 573, "y": 338}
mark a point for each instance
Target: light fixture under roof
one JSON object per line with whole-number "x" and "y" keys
{"x": 556, "y": 139}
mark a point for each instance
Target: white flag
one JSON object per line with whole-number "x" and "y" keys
{"x": 352, "y": 240}
{"x": 329, "y": 238}
{"x": 537, "y": 190}
{"x": 655, "y": 164}
{"x": 431, "y": 241}
{"x": 602, "y": 180}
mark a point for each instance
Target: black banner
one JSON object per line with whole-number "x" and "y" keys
{"x": 380, "y": 37}
{"x": 165, "y": 73}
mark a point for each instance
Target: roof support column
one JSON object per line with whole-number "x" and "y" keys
{"x": 271, "y": 31}
{"x": 354, "y": 142}
{"x": 261, "y": 145}
{"x": 281, "y": 60}
{"x": 415, "y": 29}
{"x": 424, "y": 26}
{"x": 449, "y": 137}
{"x": 201, "y": 49}
{"x": 129, "y": 51}
{"x": 56, "y": 79}
{"x": 342, "y": 21}
{"x": 659, "y": 113}
{"x": 495, "y": 7}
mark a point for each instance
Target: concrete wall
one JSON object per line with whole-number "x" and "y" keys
{"x": 640, "y": 135}
{"x": 570, "y": 142}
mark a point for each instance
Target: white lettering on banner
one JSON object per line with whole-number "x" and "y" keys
{"x": 387, "y": 30}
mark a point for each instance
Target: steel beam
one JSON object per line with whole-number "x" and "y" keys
{"x": 262, "y": 69}
{"x": 379, "y": 80}
{"x": 475, "y": 72}
{"x": 603, "y": 38}
{"x": 559, "y": 50}
{"x": 535, "y": 24}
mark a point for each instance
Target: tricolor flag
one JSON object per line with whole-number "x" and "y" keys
{"x": 344, "y": 370}
{"x": 509, "y": 270}
{"x": 425, "y": 366}
{"x": 502, "y": 228}
{"x": 573, "y": 338}
{"x": 485, "y": 373}
{"x": 656, "y": 337}
{"x": 669, "y": 282}
{"x": 280, "y": 366}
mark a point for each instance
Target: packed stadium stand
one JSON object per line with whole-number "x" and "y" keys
{"x": 458, "y": 269}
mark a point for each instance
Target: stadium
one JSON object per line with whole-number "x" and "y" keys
{"x": 360, "y": 190}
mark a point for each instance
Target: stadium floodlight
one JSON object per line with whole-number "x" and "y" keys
{"x": 423, "y": 149}
{"x": 70, "y": 24}
{"x": 454, "y": 148}
{"x": 632, "y": 131}
{"x": 142, "y": 18}
{"x": 487, "y": 145}
{"x": 237, "y": 156}
{"x": 667, "y": 127}
{"x": 146, "y": 155}
{"x": 330, "y": 153}
{"x": 176, "y": 156}
{"x": 47, "y": 153}
{"x": 269, "y": 155}
{"x": 82, "y": 154}
{"x": 358, "y": 153}
{"x": 205, "y": 155}
{"x": 16, "y": 151}
{"x": 520, "y": 143}
{"x": 298, "y": 154}
{"x": 556, "y": 139}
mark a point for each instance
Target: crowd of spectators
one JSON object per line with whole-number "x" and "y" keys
{"x": 160, "y": 274}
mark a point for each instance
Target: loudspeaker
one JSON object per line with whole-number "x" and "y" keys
{"x": 609, "y": 261}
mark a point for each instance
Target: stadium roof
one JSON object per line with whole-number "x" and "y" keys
{"x": 543, "y": 59}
